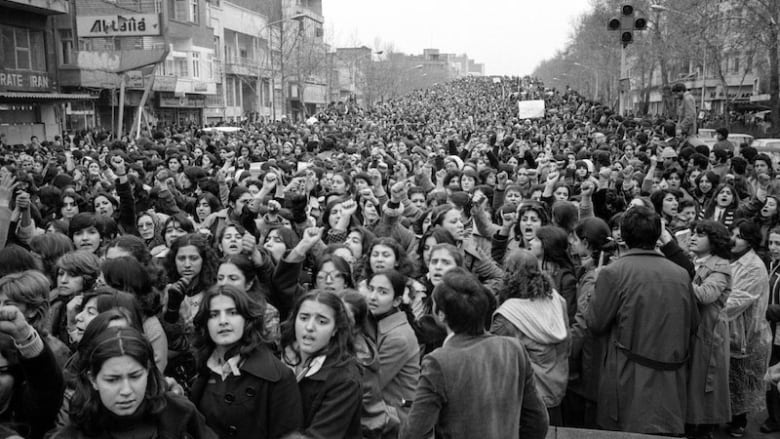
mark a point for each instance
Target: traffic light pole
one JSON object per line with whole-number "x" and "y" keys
{"x": 623, "y": 77}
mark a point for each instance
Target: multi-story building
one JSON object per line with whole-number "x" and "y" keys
{"x": 30, "y": 101}
{"x": 348, "y": 80}
{"x": 161, "y": 49}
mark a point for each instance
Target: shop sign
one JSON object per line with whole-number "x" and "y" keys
{"x": 120, "y": 25}
{"x": 187, "y": 101}
{"x": 27, "y": 81}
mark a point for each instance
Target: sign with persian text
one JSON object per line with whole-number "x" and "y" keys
{"x": 120, "y": 25}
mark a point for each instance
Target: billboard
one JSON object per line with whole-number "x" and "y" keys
{"x": 119, "y": 25}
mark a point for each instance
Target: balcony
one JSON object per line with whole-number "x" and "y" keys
{"x": 242, "y": 66}
{"x": 43, "y": 7}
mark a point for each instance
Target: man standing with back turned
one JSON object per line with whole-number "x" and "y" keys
{"x": 644, "y": 305}
{"x": 477, "y": 385}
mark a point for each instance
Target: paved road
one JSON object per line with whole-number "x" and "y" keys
{"x": 754, "y": 422}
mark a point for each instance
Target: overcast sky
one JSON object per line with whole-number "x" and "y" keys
{"x": 509, "y": 36}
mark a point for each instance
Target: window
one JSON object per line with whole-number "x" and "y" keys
{"x": 22, "y": 49}
{"x": 749, "y": 62}
{"x": 66, "y": 45}
{"x": 194, "y": 11}
{"x": 195, "y": 64}
{"x": 179, "y": 10}
{"x": 181, "y": 67}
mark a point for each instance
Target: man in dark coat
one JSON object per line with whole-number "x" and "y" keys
{"x": 643, "y": 304}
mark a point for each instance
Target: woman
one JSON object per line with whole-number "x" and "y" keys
{"x": 129, "y": 275}
{"x": 772, "y": 422}
{"x": 550, "y": 245}
{"x": 745, "y": 311}
{"x": 192, "y": 267}
{"x": 121, "y": 394}
{"x": 150, "y": 229}
{"x": 399, "y": 353}
{"x": 723, "y": 207}
{"x": 31, "y": 383}
{"x": 317, "y": 344}
{"x": 534, "y": 313}
{"x": 239, "y": 271}
{"x": 385, "y": 254}
{"x": 243, "y": 390}
{"x": 708, "y": 385}
{"x": 205, "y": 205}
{"x": 703, "y": 190}
{"x": 516, "y": 232}
{"x": 177, "y": 225}
{"x": 229, "y": 239}
{"x": 666, "y": 202}
{"x": 77, "y": 272}
{"x": 591, "y": 241}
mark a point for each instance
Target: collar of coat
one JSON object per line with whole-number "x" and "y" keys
{"x": 262, "y": 365}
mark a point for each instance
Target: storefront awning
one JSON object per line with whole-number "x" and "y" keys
{"x": 47, "y": 96}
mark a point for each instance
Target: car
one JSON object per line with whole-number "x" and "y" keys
{"x": 770, "y": 147}
{"x": 707, "y": 133}
{"x": 736, "y": 139}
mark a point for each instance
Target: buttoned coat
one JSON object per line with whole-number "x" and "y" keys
{"x": 263, "y": 402}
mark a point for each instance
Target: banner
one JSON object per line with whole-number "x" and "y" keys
{"x": 530, "y": 109}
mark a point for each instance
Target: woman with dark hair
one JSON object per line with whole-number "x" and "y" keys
{"x": 77, "y": 272}
{"x": 592, "y": 242}
{"x": 239, "y": 271}
{"x": 317, "y": 343}
{"x": 704, "y": 192}
{"x": 518, "y": 229}
{"x": 243, "y": 390}
{"x": 333, "y": 274}
{"x": 119, "y": 393}
{"x": 745, "y": 311}
{"x": 128, "y": 275}
{"x": 399, "y": 353}
{"x": 385, "y": 254}
{"x": 90, "y": 232}
{"x": 49, "y": 247}
{"x": 192, "y": 268}
{"x": 205, "y": 205}
{"x": 666, "y": 202}
{"x": 177, "y": 225}
{"x": 708, "y": 384}
{"x": 723, "y": 206}
{"x": 129, "y": 245}
{"x": 533, "y": 312}
{"x": 551, "y": 248}
{"x": 69, "y": 204}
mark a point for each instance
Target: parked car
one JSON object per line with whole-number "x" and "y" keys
{"x": 770, "y": 147}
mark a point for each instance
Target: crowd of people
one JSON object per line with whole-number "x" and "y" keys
{"x": 430, "y": 265}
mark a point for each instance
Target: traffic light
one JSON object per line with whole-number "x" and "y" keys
{"x": 627, "y": 24}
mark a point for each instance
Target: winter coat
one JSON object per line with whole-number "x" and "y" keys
{"x": 399, "y": 359}
{"x": 541, "y": 326}
{"x": 708, "y": 385}
{"x": 332, "y": 401}
{"x": 644, "y": 305}
{"x": 263, "y": 402}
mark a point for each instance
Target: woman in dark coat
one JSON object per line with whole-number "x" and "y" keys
{"x": 242, "y": 388}
{"x": 122, "y": 357}
{"x": 317, "y": 343}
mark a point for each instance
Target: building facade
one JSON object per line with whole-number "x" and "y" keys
{"x": 31, "y": 100}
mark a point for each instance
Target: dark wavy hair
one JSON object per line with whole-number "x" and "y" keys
{"x": 717, "y": 234}
{"x": 341, "y": 345}
{"x": 440, "y": 235}
{"x": 402, "y": 262}
{"x": 535, "y": 206}
{"x": 253, "y": 337}
{"x": 248, "y": 269}
{"x": 750, "y": 232}
{"x": 129, "y": 275}
{"x": 50, "y": 246}
{"x": 397, "y": 280}
{"x": 87, "y": 412}
{"x": 80, "y": 263}
{"x": 555, "y": 242}
{"x": 134, "y": 245}
{"x": 208, "y": 270}
{"x": 597, "y": 233}
{"x": 523, "y": 278}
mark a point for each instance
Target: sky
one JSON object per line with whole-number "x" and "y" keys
{"x": 509, "y": 36}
